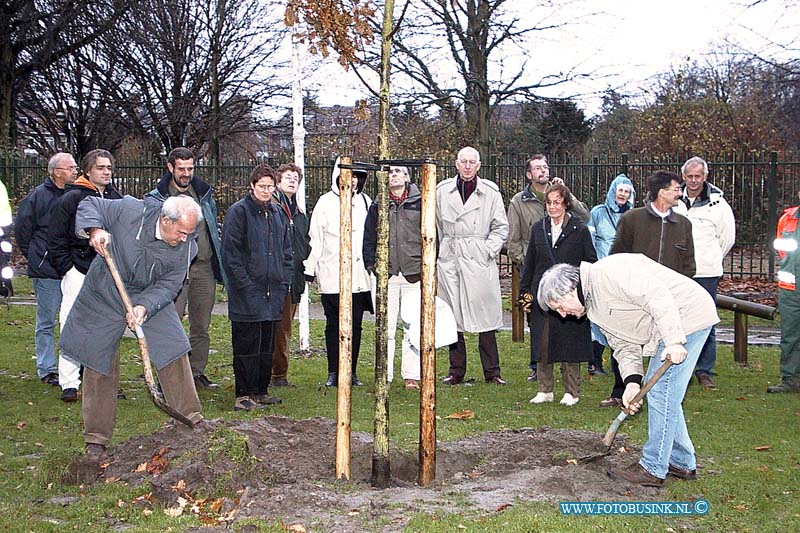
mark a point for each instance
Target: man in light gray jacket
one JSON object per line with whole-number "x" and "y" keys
{"x": 643, "y": 308}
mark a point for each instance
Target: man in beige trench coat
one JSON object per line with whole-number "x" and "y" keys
{"x": 473, "y": 227}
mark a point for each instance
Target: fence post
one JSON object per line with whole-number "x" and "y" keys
{"x": 624, "y": 168}
{"x": 773, "y": 208}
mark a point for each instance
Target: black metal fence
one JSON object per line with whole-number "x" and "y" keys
{"x": 758, "y": 187}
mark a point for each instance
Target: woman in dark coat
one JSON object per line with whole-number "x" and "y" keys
{"x": 557, "y": 238}
{"x": 257, "y": 257}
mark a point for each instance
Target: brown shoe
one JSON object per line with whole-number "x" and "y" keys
{"x": 611, "y": 402}
{"x": 636, "y": 474}
{"x": 497, "y": 380}
{"x": 453, "y": 380}
{"x": 706, "y": 381}
{"x": 411, "y": 384}
{"x": 201, "y": 380}
{"x": 680, "y": 473}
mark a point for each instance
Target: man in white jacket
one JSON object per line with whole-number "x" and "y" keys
{"x": 323, "y": 265}
{"x": 713, "y": 232}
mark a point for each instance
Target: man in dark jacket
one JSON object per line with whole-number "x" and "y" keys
{"x": 152, "y": 246}
{"x": 289, "y": 178}
{"x": 72, "y": 256}
{"x": 33, "y": 219}
{"x": 661, "y": 234}
{"x": 405, "y": 257}
{"x": 206, "y": 271}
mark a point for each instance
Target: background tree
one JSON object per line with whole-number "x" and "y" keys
{"x": 37, "y": 34}
{"x": 475, "y": 36}
{"x": 194, "y": 73}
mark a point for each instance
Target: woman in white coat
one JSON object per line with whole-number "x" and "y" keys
{"x": 323, "y": 265}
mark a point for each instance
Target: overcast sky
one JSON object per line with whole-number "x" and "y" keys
{"x": 624, "y": 42}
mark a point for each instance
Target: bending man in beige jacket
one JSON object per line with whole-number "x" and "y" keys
{"x": 643, "y": 308}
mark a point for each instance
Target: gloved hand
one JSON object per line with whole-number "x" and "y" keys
{"x": 525, "y": 301}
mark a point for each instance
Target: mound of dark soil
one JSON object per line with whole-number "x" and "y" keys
{"x": 280, "y": 468}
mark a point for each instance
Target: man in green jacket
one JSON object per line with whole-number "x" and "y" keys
{"x": 206, "y": 271}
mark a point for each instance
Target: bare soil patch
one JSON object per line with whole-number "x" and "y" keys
{"x": 278, "y": 468}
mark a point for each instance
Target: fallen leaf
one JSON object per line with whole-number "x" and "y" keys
{"x": 763, "y": 448}
{"x": 30, "y": 403}
{"x": 38, "y": 444}
{"x": 20, "y": 425}
{"x": 216, "y": 505}
{"x": 112, "y": 479}
{"x": 740, "y": 507}
{"x": 503, "y": 507}
{"x": 466, "y": 414}
{"x": 741, "y": 398}
{"x": 572, "y": 461}
{"x": 297, "y": 528}
{"x": 173, "y": 512}
{"x": 762, "y": 468}
{"x": 462, "y": 526}
{"x": 141, "y": 467}
{"x": 147, "y": 512}
{"x": 121, "y": 503}
{"x": 475, "y": 475}
{"x": 180, "y": 485}
{"x": 353, "y": 513}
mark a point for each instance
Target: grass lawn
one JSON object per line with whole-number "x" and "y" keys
{"x": 747, "y": 489}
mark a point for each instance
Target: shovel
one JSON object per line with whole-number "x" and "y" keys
{"x": 155, "y": 389}
{"x": 611, "y": 434}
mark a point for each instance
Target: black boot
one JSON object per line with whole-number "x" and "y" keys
{"x": 333, "y": 379}
{"x": 355, "y": 381}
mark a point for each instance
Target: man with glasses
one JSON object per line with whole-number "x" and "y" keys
{"x": 70, "y": 255}
{"x": 661, "y": 234}
{"x": 31, "y": 228}
{"x": 526, "y": 208}
{"x": 206, "y": 271}
{"x": 472, "y": 228}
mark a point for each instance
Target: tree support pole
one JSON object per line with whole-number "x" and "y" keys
{"x": 427, "y": 341}
{"x": 345, "y": 321}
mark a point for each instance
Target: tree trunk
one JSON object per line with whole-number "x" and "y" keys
{"x": 7, "y": 60}
{"x": 380, "y": 452}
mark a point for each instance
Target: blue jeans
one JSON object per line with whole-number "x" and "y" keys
{"x": 48, "y": 300}
{"x": 668, "y": 441}
{"x": 708, "y": 355}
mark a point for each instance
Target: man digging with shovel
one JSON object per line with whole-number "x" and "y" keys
{"x": 644, "y": 309}
{"x": 152, "y": 245}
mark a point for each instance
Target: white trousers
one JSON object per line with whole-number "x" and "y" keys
{"x": 69, "y": 372}
{"x": 410, "y": 364}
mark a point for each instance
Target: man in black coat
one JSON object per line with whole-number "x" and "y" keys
{"x": 72, "y": 256}
{"x": 31, "y": 228}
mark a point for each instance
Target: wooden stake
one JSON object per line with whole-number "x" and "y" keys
{"x": 427, "y": 341}
{"x": 345, "y": 320}
{"x": 517, "y": 314}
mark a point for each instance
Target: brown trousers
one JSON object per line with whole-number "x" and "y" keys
{"x": 487, "y": 348}
{"x": 100, "y": 397}
{"x": 283, "y": 332}
{"x": 570, "y": 372}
